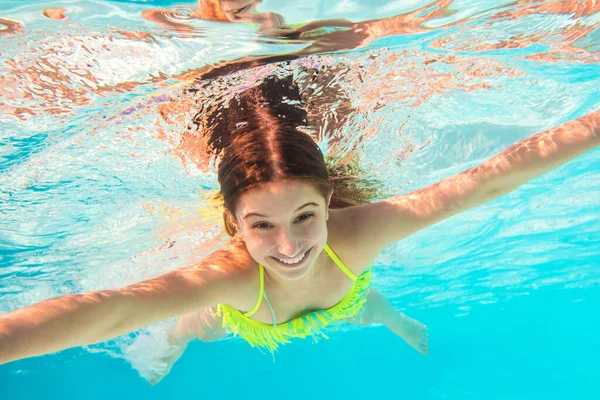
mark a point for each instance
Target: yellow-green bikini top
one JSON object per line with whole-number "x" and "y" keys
{"x": 270, "y": 336}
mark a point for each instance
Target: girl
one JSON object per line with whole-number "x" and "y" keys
{"x": 302, "y": 241}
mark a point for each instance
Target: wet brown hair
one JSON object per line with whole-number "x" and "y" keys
{"x": 263, "y": 136}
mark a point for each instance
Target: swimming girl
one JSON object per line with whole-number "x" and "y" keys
{"x": 301, "y": 247}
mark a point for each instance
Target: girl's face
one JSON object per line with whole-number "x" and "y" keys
{"x": 284, "y": 226}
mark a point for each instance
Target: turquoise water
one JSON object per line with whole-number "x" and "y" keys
{"x": 98, "y": 190}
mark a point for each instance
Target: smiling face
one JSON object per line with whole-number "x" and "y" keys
{"x": 284, "y": 226}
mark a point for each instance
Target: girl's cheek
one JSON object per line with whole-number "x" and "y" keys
{"x": 259, "y": 241}
{"x": 312, "y": 231}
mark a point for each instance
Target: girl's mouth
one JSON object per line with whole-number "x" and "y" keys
{"x": 296, "y": 264}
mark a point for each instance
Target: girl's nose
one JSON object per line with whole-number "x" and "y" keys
{"x": 287, "y": 245}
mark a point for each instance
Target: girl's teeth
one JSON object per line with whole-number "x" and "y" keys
{"x": 294, "y": 261}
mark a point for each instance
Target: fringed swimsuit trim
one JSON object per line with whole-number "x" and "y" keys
{"x": 311, "y": 324}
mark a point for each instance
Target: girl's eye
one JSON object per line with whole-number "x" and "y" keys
{"x": 261, "y": 225}
{"x": 304, "y": 217}
{"x": 266, "y": 225}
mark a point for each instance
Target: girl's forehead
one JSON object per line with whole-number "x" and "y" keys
{"x": 278, "y": 196}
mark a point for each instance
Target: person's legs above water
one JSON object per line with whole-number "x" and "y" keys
{"x": 379, "y": 311}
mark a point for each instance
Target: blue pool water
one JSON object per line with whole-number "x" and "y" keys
{"x": 98, "y": 190}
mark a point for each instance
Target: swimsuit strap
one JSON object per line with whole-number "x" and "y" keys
{"x": 272, "y": 311}
{"x": 339, "y": 263}
{"x": 261, "y": 291}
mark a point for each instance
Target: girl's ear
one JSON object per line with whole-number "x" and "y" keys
{"x": 230, "y": 222}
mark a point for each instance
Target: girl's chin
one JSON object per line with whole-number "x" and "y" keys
{"x": 292, "y": 274}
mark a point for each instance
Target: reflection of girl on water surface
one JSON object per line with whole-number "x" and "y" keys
{"x": 26, "y": 73}
{"x": 303, "y": 237}
{"x": 340, "y": 34}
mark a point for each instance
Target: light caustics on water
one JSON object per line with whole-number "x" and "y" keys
{"x": 105, "y": 181}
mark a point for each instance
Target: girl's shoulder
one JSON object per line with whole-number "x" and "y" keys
{"x": 344, "y": 238}
{"x": 239, "y": 270}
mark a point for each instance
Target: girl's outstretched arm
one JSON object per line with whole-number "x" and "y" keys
{"x": 86, "y": 318}
{"x": 390, "y": 220}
